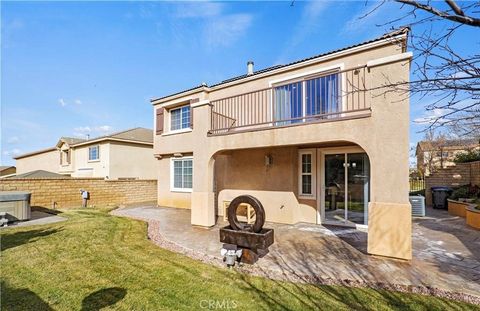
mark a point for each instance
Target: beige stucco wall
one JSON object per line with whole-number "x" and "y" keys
{"x": 383, "y": 136}
{"x": 276, "y": 186}
{"x": 47, "y": 161}
{"x": 132, "y": 161}
{"x": 165, "y": 196}
{"x": 97, "y": 168}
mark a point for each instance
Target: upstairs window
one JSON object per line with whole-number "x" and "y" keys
{"x": 65, "y": 157}
{"x": 288, "y": 102}
{"x": 296, "y": 101}
{"x": 94, "y": 153}
{"x": 322, "y": 95}
{"x": 180, "y": 118}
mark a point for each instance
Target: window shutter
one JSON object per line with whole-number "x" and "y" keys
{"x": 192, "y": 101}
{"x": 69, "y": 156}
{"x": 60, "y": 153}
{"x": 191, "y": 117}
{"x": 159, "y": 121}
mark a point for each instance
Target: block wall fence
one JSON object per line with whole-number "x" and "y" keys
{"x": 461, "y": 174}
{"x": 65, "y": 193}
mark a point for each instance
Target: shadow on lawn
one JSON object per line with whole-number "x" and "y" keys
{"x": 103, "y": 298}
{"x": 24, "y": 299}
{"x": 357, "y": 298}
{"x": 14, "y": 239}
{"x": 47, "y": 210}
{"x": 21, "y": 299}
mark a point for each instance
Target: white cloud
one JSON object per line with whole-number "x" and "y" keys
{"x": 218, "y": 28}
{"x": 13, "y": 140}
{"x": 371, "y": 18}
{"x": 103, "y": 128}
{"x": 199, "y": 10}
{"x": 306, "y": 25}
{"x": 62, "y": 102}
{"x": 92, "y": 131}
{"x": 225, "y": 30}
{"x": 431, "y": 116}
{"x": 13, "y": 152}
{"x": 77, "y": 101}
{"x": 83, "y": 129}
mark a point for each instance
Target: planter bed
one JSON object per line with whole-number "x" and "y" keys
{"x": 473, "y": 216}
{"x": 457, "y": 208}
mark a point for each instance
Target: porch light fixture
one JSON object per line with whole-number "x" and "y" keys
{"x": 268, "y": 160}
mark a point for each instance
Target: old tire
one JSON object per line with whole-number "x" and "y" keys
{"x": 257, "y": 207}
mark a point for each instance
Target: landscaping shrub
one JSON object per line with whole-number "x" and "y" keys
{"x": 467, "y": 156}
{"x": 466, "y": 192}
{"x": 418, "y": 192}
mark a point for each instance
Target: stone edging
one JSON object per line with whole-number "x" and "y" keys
{"x": 153, "y": 233}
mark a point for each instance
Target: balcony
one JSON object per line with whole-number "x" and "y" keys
{"x": 332, "y": 96}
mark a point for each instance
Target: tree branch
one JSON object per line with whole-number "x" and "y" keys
{"x": 462, "y": 19}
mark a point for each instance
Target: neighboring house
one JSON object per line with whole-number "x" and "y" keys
{"x": 39, "y": 174}
{"x": 432, "y": 155}
{"x": 320, "y": 140}
{"x": 7, "y": 170}
{"x": 126, "y": 154}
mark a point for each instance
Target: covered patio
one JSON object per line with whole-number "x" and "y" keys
{"x": 446, "y": 255}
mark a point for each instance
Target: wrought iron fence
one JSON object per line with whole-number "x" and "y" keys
{"x": 417, "y": 184}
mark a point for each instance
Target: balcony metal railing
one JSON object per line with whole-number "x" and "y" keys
{"x": 318, "y": 98}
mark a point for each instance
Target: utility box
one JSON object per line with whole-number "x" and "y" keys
{"x": 418, "y": 205}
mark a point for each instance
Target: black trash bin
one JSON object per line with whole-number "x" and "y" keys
{"x": 440, "y": 196}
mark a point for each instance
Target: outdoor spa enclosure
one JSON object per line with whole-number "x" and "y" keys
{"x": 322, "y": 140}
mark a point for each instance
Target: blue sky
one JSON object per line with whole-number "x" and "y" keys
{"x": 77, "y": 68}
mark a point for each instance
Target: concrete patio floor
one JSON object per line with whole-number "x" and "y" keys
{"x": 446, "y": 252}
{"x": 37, "y": 217}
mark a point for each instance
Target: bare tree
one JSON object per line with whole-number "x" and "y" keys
{"x": 430, "y": 155}
{"x": 443, "y": 76}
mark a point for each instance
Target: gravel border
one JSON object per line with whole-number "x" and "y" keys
{"x": 154, "y": 234}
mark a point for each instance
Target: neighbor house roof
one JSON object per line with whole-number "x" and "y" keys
{"x": 5, "y": 167}
{"x": 449, "y": 143}
{"x": 203, "y": 86}
{"x": 138, "y": 135}
{"x": 35, "y": 153}
{"x": 72, "y": 140}
{"x": 135, "y": 135}
{"x": 39, "y": 174}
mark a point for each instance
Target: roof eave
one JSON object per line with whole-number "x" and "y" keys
{"x": 321, "y": 58}
{"x": 105, "y": 139}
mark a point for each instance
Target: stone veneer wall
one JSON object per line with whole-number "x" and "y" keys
{"x": 64, "y": 193}
{"x": 461, "y": 174}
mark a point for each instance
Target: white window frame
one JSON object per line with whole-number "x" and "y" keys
{"x": 180, "y": 130}
{"x": 98, "y": 153}
{"x": 172, "y": 175}
{"x": 313, "y": 173}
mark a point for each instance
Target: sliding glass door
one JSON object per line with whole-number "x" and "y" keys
{"x": 346, "y": 188}
{"x": 307, "y": 100}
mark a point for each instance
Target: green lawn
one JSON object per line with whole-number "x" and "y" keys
{"x": 95, "y": 260}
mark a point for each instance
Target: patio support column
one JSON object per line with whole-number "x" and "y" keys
{"x": 389, "y": 211}
{"x": 203, "y": 203}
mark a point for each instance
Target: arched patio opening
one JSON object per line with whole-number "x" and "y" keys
{"x": 322, "y": 183}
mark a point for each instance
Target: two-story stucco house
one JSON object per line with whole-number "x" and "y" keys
{"x": 126, "y": 154}
{"x": 433, "y": 155}
{"x": 321, "y": 140}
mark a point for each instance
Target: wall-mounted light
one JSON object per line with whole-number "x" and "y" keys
{"x": 268, "y": 160}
